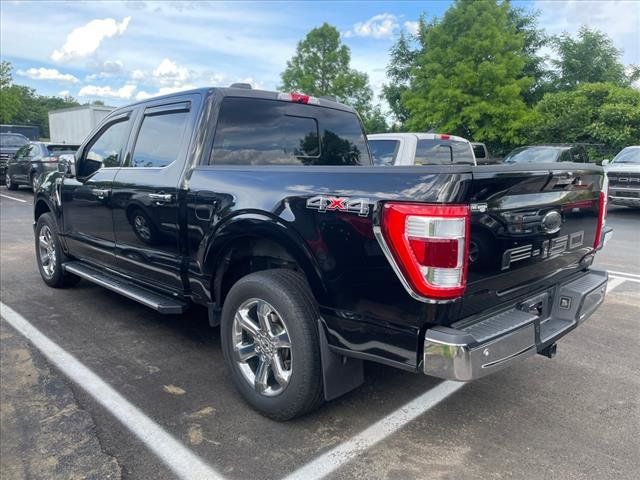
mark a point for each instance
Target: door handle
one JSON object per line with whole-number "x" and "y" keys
{"x": 100, "y": 193}
{"x": 161, "y": 197}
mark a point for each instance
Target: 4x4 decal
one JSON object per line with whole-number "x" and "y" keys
{"x": 324, "y": 203}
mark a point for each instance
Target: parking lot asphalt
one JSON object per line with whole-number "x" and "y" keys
{"x": 576, "y": 416}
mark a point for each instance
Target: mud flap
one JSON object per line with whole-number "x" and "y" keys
{"x": 340, "y": 374}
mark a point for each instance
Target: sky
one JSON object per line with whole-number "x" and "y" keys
{"x": 122, "y": 51}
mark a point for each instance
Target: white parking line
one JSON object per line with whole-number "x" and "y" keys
{"x": 343, "y": 453}
{"x": 182, "y": 461}
{"x": 624, "y": 274}
{"x": 615, "y": 282}
{"x": 13, "y": 198}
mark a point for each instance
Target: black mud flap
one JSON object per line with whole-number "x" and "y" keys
{"x": 340, "y": 374}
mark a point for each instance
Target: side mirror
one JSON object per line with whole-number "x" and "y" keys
{"x": 606, "y": 162}
{"x": 67, "y": 164}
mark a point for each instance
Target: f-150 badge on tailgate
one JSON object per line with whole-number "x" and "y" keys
{"x": 324, "y": 203}
{"x": 549, "y": 248}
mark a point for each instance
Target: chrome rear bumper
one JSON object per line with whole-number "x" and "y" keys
{"x": 469, "y": 351}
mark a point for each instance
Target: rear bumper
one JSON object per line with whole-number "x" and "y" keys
{"x": 471, "y": 351}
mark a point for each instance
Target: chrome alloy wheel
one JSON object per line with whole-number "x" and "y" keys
{"x": 47, "y": 249}
{"x": 7, "y": 179}
{"x": 140, "y": 224}
{"x": 261, "y": 347}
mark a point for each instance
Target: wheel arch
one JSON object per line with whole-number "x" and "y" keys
{"x": 252, "y": 242}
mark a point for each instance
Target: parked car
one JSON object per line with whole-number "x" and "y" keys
{"x": 265, "y": 208}
{"x": 548, "y": 154}
{"x": 395, "y": 149}
{"x": 624, "y": 177}
{"x": 33, "y": 160}
{"x": 10, "y": 143}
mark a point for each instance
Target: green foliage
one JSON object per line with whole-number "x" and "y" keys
{"x": 21, "y": 105}
{"x": 602, "y": 114}
{"x": 589, "y": 58}
{"x": 469, "y": 78}
{"x": 10, "y": 101}
{"x": 402, "y": 59}
{"x": 321, "y": 66}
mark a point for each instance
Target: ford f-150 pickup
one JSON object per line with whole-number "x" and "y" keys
{"x": 265, "y": 208}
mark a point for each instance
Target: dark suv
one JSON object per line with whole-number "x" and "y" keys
{"x": 32, "y": 160}
{"x": 10, "y": 143}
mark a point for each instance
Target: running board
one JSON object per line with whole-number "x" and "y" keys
{"x": 161, "y": 303}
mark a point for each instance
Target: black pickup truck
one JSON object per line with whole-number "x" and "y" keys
{"x": 265, "y": 208}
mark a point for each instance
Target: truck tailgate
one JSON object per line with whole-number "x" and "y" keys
{"x": 530, "y": 226}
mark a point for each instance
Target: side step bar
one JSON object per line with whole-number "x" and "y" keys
{"x": 161, "y": 303}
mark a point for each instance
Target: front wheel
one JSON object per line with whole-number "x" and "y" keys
{"x": 11, "y": 185}
{"x": 49, "y": 254}
{"x": 270, "y": 343}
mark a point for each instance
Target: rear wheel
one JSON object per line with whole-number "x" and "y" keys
{"x": 270, "y": 343}
{"x": 50, "y": 255}
{"x": 11, "y": 185}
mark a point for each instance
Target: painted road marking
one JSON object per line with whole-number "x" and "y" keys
{"x": 624, "y": 274}
{"x": 182, "y": 461}
{"x": 343, "y": 453}
{"x": 615, "y": 282}
{"x": 13, "y": 198}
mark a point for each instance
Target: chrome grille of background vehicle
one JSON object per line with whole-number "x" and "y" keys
{"x": 620, "y": 179}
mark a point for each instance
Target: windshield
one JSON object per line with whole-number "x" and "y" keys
{"x": 628, "y": 155}
{"x": 533, "y": 155}
{"x": 384, "y": 151}
{"x": 13, "y": 140}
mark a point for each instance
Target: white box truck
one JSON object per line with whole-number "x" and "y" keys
{"x": 72, "y": 125}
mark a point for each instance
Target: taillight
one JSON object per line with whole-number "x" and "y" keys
{"x": 602, "y": 217}
{"x": 444, "y": 136}
{"x": 429, "y": 245}
{"x": 298, "y": 98}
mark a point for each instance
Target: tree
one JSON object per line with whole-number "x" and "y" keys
{"x": 589, "y": 58}
{"x": 321, "y": 66}
{"x": 602, "y": 114}
{"x": 402, "y": 59}
{"x": 469, "y": 76}
{"x": 10, "y": 101}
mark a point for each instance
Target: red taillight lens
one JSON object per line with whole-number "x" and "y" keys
{"x": 429, "y": 244}
{"x": 602, "y": 216}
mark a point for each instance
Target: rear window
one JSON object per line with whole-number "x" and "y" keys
{"x": 61, "y": 149}
{"x": 268, "y": 132}
{"x": 443, "y": 152}
{"x": 384, "y": 152}
{"x": 479, "y": 151}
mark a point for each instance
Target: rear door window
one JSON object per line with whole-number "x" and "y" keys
{"x": 442, "y": 152}
{"x": 384, "y": 152}
{"x": 160, "y": 139}
{"x": 268, "y": 132}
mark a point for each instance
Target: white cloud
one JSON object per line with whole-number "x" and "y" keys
{"x": 411, "y": 27}
{"x": 620, "y": 19}
{"x": 108, "y": 69}
{"x": 382, "y": 25}
{"x": 138, "y": 74}
{"x": 64, "y": 93}
{"x": 47, "y": 74}
{"x": 170, "y": 74}
{"x": 84, "y": 41}
{"x": 125, "y": 92}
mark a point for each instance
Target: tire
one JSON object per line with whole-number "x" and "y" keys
{"x": 11, "y": 185}
{"x": 288, "y": 294}
{"x": 51, "y": 271}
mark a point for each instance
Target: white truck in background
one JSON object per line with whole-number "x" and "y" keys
{"x": 72, "y": 125}
{"x": 395, "y": 149}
